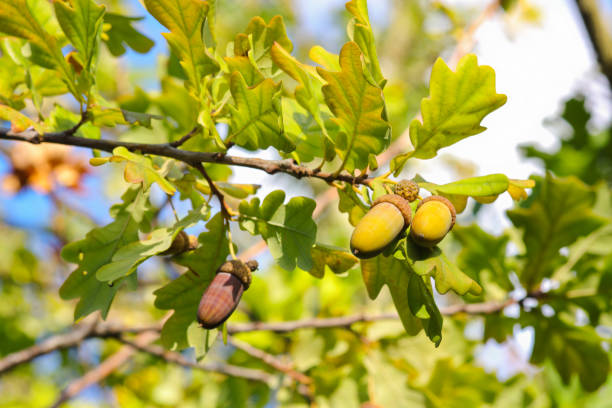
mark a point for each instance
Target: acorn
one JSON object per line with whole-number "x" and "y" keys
{"x": 433, "y": 219}
{"x": 407, "y": 189}
{"x": 222, "y": 296}
{"x": 388, "y": 217}
{"x": 181, "y": 243}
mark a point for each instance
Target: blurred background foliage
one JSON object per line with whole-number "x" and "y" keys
{"x": 561, "y": 298}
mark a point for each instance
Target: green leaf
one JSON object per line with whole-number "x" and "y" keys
{"x": 121, "y": 31}
{"x": 185, "y": 20}
{"x": 336, "y": 260}
{"x": 128, "y": 257}
{"x": 358, "y": 108}
{"x": 360, "y": 31}
{"x": 258, "y": 39}
{"x": 289, "y": 230}
{"x": 256, "y": 117}
{"x": 457, "y": 103}
{"x": 19, "y": 18}
{"x": 351, "y": 204}
{"x": 492, "y": 184}
{"x": 81, "y": 21}
{"x": 305, "y": 133}
{"x": 96, "y": 250}
{"x": 103, "y": 116}
{"x": 61, "y": 119}
{"x": 573, "y": 350}
{"x": 308, "y": 91}
{"x": 411, "y": 294}
{"x": 326, "y": 59}
{"x": 559, "y": 213}
{"x": 482, "y": 252}
{"x": 183, "y": 294}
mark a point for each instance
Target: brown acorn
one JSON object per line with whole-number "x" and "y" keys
{"x": 181, "y": 243}
{"x": 222, "y": 296}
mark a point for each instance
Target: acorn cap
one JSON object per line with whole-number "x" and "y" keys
{"x": 445, "y": 201}
{"x": 241, "y": 270}
{"x": 402, "y": 205}
{"x": 407, "y": 189}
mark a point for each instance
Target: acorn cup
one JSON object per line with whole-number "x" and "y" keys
{"x": 388, "y": 217}
{"x": 222, "y": 296}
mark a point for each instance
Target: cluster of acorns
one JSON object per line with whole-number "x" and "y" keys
{"x": 387, "y": 219}
{"x": 391, "y": 214}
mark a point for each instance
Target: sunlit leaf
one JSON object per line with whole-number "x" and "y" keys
{"x": 81, "y": 21}
{"x": 358, "y": 108}
{"x": 256, "y": 117}
{"x": 185, "y": 20}
{"x": 457, "y": 103}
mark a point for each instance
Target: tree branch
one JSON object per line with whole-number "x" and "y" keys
{"x": 178, "y": 358}
{"x": 116, "y": 330}
{"x": 192, "y": 158}
{"x": 347, "y": 321}
{"x": 270, "y": 360}
{"x": 106, "y": 368}
{"x": 599, "y": 34}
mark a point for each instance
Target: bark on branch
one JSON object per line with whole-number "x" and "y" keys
{"x": 192, "y": 158}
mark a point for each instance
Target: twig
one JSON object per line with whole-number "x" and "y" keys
{"x": 270, "y": 360}
{"x": 116, "y": 330}
{"x": 227, "y": 213}
{"x": 347, "y": 321}
{"x": 106, "y": 368}
{"x": 71, "y": 339}
{"x": 178, "y": 143}
{"x": 192, "y": 158}
{"x": 177, "y": 358}
{"x": 599, "y": 34}
{"x": 57, "y": 342}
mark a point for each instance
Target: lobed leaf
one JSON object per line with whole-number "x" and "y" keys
{"x": 96, "y": 250}
{"x": 288, "y": 229}
{"x": 457, "y": 103}
{"x": 361, "y": 32}
{"x": 185, "y": 20}
{"x": 18, "y": 18}
{"x": 336, "y": 260}
{"x": 559, "y": 214}
{"x": 128, "y": 257}
{"x": 358, "y": 108}
{"x": 256, "y": 118}
{"x": 81, "y": 21}
{"x": 120, "y": 32}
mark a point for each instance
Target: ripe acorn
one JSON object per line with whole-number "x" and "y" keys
{"x": 388, "y": 217}
{"x": 407, "y": 189}
{"x": 433, "y": 219}
{"x": 222, "y": 296}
